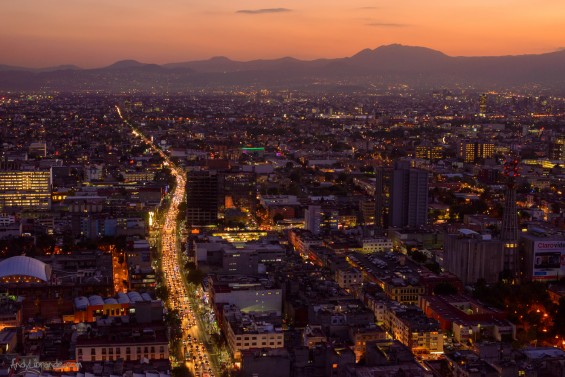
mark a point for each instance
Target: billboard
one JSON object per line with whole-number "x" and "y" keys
{"x": 549, "y": 260}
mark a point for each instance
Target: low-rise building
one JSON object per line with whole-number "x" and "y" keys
{"x": 251, "y": 331}
{"x": 268, "y": 363}
{"x": 8, "y": 340}
{"x": 393, "y": 272}
{"x": 348, "y": 277}
{"x": 387, "y": 358}
{"x": 467, "y": 318}
{"x": 361, "y": 336}
{"x": 542, "y": 251}
{"x": 302, "y": 239}
{"x": 10, "y": 312}
{"x": 128, "y": 342}
{"x": 94, "y": 307}
{"x": 473, "y": 256}
{"x": 465, "y": 363}
{"x": 247, "y": 293}
{"x": 376, "y": 245}
{"x": 411, "y": 327}
{"x": 336, "y": 318}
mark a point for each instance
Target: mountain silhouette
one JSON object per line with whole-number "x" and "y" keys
{"x": 416, "y": 66}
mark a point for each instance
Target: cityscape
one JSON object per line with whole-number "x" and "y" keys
{"x": 388, "y": 211}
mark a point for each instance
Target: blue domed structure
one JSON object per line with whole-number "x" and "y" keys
{"x": 22, "y": 269}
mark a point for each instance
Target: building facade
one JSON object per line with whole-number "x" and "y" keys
{"x": 25, "y": 189}
{"x": 472, "y": 256}
{"x": 409, "y": 196}
{"x": 203, "y": 198}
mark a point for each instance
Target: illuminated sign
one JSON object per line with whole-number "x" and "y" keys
{"x": 548, "y": 260}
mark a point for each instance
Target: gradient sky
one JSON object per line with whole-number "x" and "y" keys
{"x": 94, "y": 33}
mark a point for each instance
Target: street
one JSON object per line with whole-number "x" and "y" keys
{"x": 194, "y": 345}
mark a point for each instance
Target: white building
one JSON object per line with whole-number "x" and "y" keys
{"x": 372, "y": 245}
{"x": 313, "y": 219}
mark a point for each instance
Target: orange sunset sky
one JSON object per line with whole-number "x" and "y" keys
{"x": 94, "y": 33}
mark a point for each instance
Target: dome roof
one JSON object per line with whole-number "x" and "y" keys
{"x": 25, "y": 266}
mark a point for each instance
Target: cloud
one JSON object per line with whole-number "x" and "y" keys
{"x": 386, "y": 24}
{"x": 263, "y": 11}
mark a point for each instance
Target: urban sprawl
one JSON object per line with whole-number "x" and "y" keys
{"x": 282, "y": 234}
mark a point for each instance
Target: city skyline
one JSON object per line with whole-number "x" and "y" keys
{"x": 93, "y": 34}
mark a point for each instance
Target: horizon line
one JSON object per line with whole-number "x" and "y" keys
{"x": 133, "y": 60}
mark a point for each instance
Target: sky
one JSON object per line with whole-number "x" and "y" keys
{"x": 95, "y": 33}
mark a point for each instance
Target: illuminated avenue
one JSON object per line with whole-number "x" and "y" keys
{"x": 198, "y": 358}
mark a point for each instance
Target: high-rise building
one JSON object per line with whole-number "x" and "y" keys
{"x": 557, "y": 149}
{"x": 408, "y": 196}
{"x": 203, "y": 197}
{"x": 428, "y": 152}
{"x": 472, "y": 151}
{"x": 401, "y": 196}
{"x": 383, "y": 177}
{"x": 25, "y": 189}
{"x": 313, "y": 218}
{"x": 483, "y": 105}
{"x": 509, "y": 231}
{"x": 210, "y": 192}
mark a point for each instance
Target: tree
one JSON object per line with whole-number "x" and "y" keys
{"x": 181, "y": 211}
{"x": 195, "y": 276}
{"x": 342, "y": 178}
{"x": 45, "y": 243}
{"x": 295, "y": 176}
{"x": 68, "y": 243}
{"x": 162, "y": 293}
{"x": 172, "y": 319}
{"x": 181, "y": 371}
{"x": 433, "y": 267}
{"x": 418, "y": 256}
{"x": 559, "y": 319}
{"x": 278, "y": 217}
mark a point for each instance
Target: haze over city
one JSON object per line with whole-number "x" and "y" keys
{"x": 97, "y": 33}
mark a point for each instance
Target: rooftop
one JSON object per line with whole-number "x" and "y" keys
{"x": 22, "y": 266}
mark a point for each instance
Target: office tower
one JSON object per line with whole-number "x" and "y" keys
{"x": 401, "y": 197}
{"x": 383, "y": 176}
{"x": 409, "y": 196}
{"x": 25, "y": 189}
{"x": 37, "y": 149}
{"x": 313, "y": 218}
{"x": 509, "y": 232}
{"x": 428, "y": 152}
{"x": 204, "y": 197}
{"x": 557, "y": 149}
{"x": 483, "y": 105}
{"x": 472, "y": 151}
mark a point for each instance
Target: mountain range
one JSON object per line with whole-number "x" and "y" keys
{"x": 384, "y": 66}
